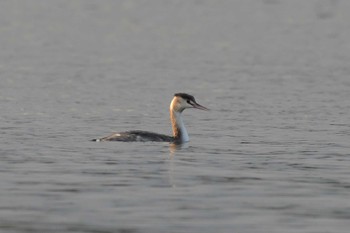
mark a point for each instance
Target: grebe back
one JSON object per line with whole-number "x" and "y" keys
{"x": 180, "y": 102}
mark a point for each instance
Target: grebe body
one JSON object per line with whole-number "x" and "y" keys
{"x": 180, "y": 102}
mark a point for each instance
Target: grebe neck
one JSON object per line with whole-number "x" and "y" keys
{"x": 179, "y": 131}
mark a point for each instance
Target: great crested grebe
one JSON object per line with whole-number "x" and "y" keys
{"x": 180, "y": 102}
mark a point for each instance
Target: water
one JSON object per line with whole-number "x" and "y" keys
{"x": 272, "y": 155}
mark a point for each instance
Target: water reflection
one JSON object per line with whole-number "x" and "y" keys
{"x": 174, "y": 147}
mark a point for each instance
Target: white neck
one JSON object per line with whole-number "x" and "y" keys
{"x": 179, "y": 130}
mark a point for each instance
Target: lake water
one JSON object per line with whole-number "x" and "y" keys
{"x": 272, "y": 155}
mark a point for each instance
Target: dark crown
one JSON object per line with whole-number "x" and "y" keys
{"x": 185, "y": 96}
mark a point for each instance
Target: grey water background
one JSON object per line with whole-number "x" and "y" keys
{"x": 272, "y": 155}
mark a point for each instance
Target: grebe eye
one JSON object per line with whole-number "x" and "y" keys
{"x": 188, "y": 101}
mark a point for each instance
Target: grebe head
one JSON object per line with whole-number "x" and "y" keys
{"x": 181, "y": 101}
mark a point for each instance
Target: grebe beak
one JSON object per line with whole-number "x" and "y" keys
{"x": 198, "y": 106}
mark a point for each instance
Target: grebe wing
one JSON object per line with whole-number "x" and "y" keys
{"x": 137, "y": 136}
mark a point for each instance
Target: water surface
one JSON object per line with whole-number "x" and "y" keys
{"x": 272, "y": 155}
